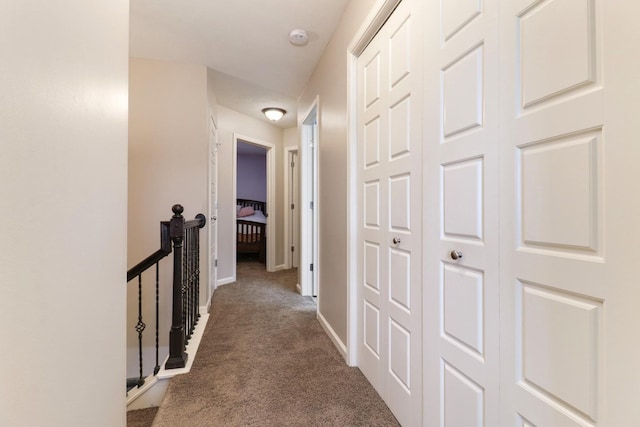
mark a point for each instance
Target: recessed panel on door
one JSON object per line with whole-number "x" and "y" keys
{"x": 372, "y": 328}
{"x": 372, "y": 265}
{"x": 459, "y": 392}
{"x": 462, "y": 192}
{"x": 556, "y": 57}
{"x": 399, "y": 352}
{"x": 372, "y": 81}
{"x": 456, "y": 14}
{"x": 399, "y": 278}
{"x": 463, "y": 92}
{"x": 399, "y": 119}
{"x": 399, "y": 203}
{"x": 400, "y": 53}
{"x": 463, "y": 307}
{"x": 372, "y": 143}
{"x": 372, "y": 204}
{"x": 559, "y": 194}
{"x": 560, "y": 335}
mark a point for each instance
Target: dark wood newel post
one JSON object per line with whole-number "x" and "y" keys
{"x": 177, "y": 354}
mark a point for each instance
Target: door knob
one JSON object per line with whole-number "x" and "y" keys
{"x": 455, "y": 254}
{"x": 396, "y": 240}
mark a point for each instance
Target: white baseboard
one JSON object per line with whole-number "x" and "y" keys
{"x": 280, "y": 267}
{"x": 225, "y": 281}
{"x": 192, "y": 349}
{"x": 332, "y": 334}
{"x": 299, "y": 288}
{"x": 147, "y": 396}
{"x": 154, "y": 388}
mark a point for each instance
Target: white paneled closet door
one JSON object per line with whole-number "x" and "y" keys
{"x": 531, "y": 191}
{"x": 461, "y": 262}
{"x": 389, "y": 201}
{"x": 569, "y": 258}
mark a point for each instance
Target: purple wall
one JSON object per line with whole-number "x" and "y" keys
{"x": 252, "y": 177}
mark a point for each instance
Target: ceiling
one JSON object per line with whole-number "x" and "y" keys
{"x": 244, "y": 43}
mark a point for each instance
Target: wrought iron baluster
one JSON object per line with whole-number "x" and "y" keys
{"x": 140, "y": 326}
{"x": 157, "y": 367}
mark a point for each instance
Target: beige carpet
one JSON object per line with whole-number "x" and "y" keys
{"x": 264, "y": 360}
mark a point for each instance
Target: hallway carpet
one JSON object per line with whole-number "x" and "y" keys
{"x": 265, "y": 360}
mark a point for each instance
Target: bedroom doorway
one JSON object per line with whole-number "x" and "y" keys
{"x": 253, "y": 187}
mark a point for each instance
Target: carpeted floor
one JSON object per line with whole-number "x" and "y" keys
{"x": 265, "y": 360}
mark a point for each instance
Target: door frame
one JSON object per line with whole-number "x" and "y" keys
{"x": 213, "y": 224}
{"x": 309, "y": 228}
{"x": 288, "y": 200}
{"x": 379, "y": 14}
{"x": 271, "y": 197}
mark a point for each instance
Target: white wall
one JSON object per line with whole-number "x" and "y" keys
{"x": 252, "y": 177}
{"x": 63, "y": 180}
{"x": 329, "y": 82}
{"x": 168, "y": 164}
{"x": 234, "y": 122}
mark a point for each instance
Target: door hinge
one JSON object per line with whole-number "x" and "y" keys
{"x": 293, "y": 206}
{"x": 215, "y": 263}
{"x": 293, "y": 164}
{"x": 310, "y": 267}
{"x": 292, "y": 249}
{"x": 310, "y": 205}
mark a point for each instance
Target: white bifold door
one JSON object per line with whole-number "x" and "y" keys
{"x": 531, "y": 202}
{"x": 498, "y": 237}
{"x": 461, "y": 203}
{"x": 390, "y": 222}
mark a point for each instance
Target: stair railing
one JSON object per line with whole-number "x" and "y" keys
{"x": 185, "y": 238}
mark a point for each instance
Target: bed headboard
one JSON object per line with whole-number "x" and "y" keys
{"x": 256, "y": 205}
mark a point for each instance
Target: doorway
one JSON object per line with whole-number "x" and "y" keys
{"x": 254, "y": 162}
{"x": 309, "y": 284}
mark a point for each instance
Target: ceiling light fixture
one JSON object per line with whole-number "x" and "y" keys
{"x": 274, "y": 114}
{"x": 298, "y": 37}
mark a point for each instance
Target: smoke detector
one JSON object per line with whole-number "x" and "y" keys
{"x": 298, "y": 37}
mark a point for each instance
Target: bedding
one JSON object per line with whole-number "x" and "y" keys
{"x": 250, "y": 228}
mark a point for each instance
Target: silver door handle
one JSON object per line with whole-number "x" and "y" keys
{"x": 455, "y": 254}
{"x": 396, "y": 240}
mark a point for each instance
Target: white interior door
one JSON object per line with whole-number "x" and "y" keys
{"x": 461, "y": 281}
{"x": 294, "y": 217}
{"x": 389, "y": 225}
{"x": 567, "y": 152}
{"x": 308, "y": 172}
{"x": 213, "y": 207}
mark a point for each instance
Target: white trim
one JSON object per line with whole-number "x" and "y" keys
{"x": 152, "y": 391}
{"x": 191, "y": 350}
{"x": 280, "y": 267}
{"x": 149, "y": 395}
{"x": 379, "y": 14}
{"x": 225, "y": 281}
{"x": 288, "y": 262}
{"x": 213, "y": 225}
{"x": 271, "y": 197}
{"x": 309, "y": 255}
{"x": 333, "y": 336}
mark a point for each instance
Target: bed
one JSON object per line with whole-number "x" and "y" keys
{"x": 250, "y": 228}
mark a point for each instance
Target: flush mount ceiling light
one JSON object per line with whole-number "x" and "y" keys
{"x": 274, "y": 114}
{"x": 298, "y": 37}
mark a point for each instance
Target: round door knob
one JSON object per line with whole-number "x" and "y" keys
{"x": 456, "y": 254}
{"x": 396, "y": 240}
